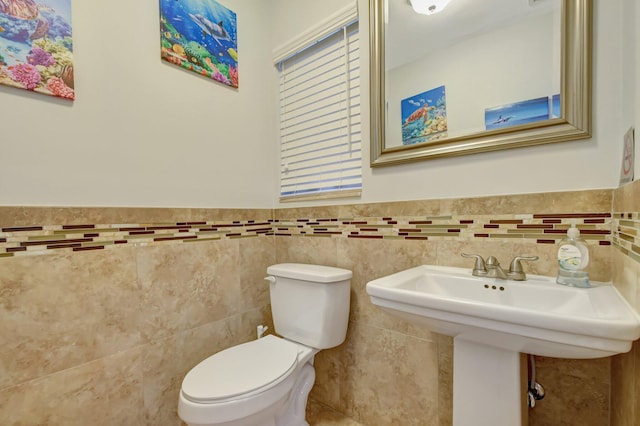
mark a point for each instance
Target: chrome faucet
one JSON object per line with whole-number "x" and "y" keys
{"x": 492, "y": 269}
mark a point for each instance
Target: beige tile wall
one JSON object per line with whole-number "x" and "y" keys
{"x": 625, "y": 369}
{"x": 389, "y": 372}
{"x": 106, "y": 335}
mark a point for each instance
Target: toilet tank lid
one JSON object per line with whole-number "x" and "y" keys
{"x": 308, "y": 272}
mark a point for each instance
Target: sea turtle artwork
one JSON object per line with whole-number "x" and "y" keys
{"x": 200, "y": 36}
{"x": 36, "y": 47}
{"x": 424, "y": 117}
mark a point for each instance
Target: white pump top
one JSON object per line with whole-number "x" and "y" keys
{"x": 573, "y": 233}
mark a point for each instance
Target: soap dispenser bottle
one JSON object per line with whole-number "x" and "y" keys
{"x": 573, "y": 259}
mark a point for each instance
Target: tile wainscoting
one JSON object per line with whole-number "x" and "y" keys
{"x": 104, "y": 310}
{"x": 625, "y": 368}
{"x": 104, "y": 334}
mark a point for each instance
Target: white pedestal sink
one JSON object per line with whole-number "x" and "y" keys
{"x": 493, "y": 321}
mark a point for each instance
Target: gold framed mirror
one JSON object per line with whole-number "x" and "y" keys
{"x": 569, "y": 109}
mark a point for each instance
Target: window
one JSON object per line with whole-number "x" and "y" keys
{"x": 320, "y": 128}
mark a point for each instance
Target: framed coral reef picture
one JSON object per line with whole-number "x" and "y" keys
{"x": 36, "y": 46}
{"x": 200, "y": 36}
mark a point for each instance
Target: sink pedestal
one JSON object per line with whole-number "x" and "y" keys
{"x": 487, "y": 389}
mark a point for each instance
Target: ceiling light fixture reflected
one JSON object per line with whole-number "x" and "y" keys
{"x": 429, "y": 7}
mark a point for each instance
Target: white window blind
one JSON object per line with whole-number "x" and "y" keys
{"x": 320, "y": 128}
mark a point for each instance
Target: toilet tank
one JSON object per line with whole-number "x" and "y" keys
{"x": 310, "y": 303}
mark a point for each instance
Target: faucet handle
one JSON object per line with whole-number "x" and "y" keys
{"x": 479, "y": 268}
{"x": 515, "y": 269}
{"x": 516, "y": 266}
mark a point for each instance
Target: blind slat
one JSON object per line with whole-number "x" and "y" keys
{"x": 321, "y": 156}
{"x": 319, "y": 140}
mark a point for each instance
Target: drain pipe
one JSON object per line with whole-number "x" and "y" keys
{"x": 536, "y": 391}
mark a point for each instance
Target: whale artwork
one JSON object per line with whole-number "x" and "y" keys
{"x": 200, "y": 36}
{"x": 36, "y": 47}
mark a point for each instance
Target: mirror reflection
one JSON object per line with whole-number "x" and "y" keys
{"x": 472, "y": 67}
{"x": 477, "y": 76}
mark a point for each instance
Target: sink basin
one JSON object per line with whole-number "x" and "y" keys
{"x": 536, "y": 316}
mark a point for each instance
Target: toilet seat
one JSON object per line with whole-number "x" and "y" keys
{"x": 242, "y": 370}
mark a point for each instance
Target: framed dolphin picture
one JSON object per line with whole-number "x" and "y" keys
{"x": 522, "y": 112}
{"x": 200, "y": 36}
{"x": 36, "y": 47}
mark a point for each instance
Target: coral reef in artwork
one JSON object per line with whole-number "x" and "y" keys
{"x": 27, "y": 75}
{"x": 200, "y": 36}
{"x": 36, "y": 47}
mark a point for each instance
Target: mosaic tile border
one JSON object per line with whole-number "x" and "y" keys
{"x": 596, "y": 228}
{"x": 626, "y": 235}
{"x": 33, "y": 240}
{"x": 538, "y": 228}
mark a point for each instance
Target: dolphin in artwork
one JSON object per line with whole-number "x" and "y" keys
{"x": 216, "y": 31}
{"x": 502, "y": 119}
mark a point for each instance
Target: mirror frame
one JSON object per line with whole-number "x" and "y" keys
{"x": 575, "y": 94}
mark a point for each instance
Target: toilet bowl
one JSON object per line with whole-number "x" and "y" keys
{"x": 251, "y": 383}
{"x": 266, "y": 382}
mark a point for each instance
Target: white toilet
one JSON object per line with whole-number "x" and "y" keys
{"x": 266, "y": 382}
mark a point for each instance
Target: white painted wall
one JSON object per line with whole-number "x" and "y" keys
{"x": 577, "y": 165}
{"x": 631, "y": 67}
{"x": 143, "y": 132}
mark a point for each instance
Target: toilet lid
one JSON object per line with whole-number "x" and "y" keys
{"x": 241, "y": 369}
